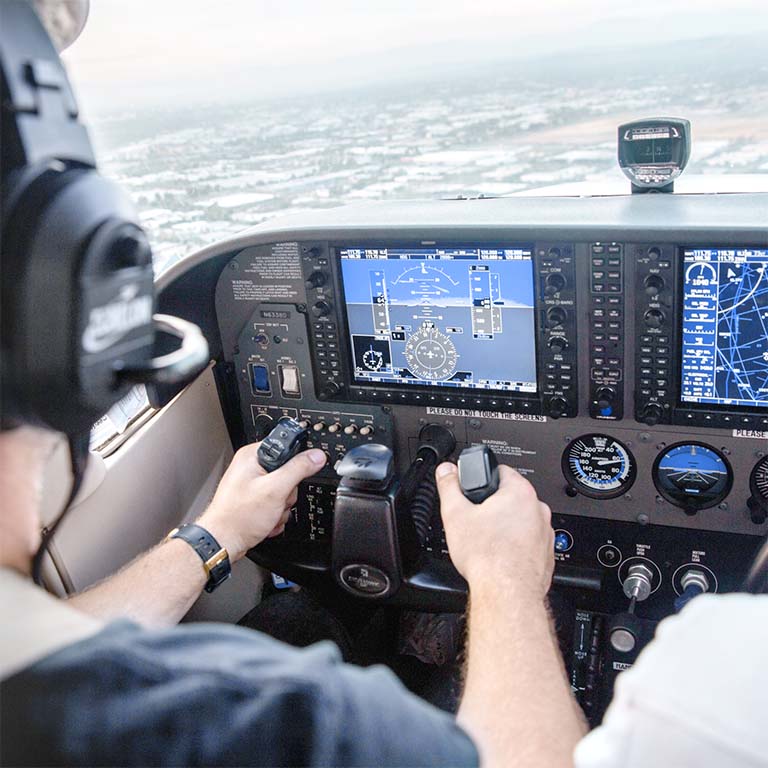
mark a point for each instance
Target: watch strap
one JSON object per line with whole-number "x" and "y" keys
{"x": 215, "y": 557}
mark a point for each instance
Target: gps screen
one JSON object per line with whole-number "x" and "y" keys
{"x": 449, "y": 317}
{"x": 725, "y": 327}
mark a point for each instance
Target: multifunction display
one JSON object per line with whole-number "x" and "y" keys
{"x": 458, "y": 317}
{"x": 725, "y": 327}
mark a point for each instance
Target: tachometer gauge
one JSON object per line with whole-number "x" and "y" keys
{"x": 599, "y": 466}
{"x": 693, "y": 476}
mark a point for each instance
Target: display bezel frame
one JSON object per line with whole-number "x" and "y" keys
{"x": 434, "y": 394}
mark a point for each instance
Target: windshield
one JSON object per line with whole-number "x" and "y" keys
{"x": 219, "y": 116}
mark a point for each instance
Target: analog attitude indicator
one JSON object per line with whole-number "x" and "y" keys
{"x": 693, "y": 476}
{"x": 431, "y": 354}
{"x": 599, "y": 466}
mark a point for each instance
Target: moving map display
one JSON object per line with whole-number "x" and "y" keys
{"x": 725, "y": 327}
{"x": 447, "y": 317}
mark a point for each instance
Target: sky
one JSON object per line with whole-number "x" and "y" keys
{"x": 152, "y": 52}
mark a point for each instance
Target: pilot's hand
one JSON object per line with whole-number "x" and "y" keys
{"x": 250, "y": 504}
{"x": 506, "y": 541}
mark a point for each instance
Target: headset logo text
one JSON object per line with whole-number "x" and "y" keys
{"x": 109, "y": 323}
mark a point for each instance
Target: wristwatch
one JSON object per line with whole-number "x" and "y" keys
{"x": 215, "y": 557}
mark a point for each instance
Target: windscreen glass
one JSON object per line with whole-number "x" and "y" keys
{"x": 449, "y": 317}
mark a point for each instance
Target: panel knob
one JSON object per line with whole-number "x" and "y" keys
{"x": 554, "y": 283}
{"x": 321, "y": 308}
{"x": 605, "y": 397}
{"x": 557, "y": 407}
{"x": 558, "y": 344}
{"x": 654, "y": 285}
{"x": 556, "y": 316}
{"x": 651, "y": 414}
{"x": 262, "y": 425}
{"x": 654, "y": 318}
{"x": 331, "y": 389}
{"x": 317, "y": 279}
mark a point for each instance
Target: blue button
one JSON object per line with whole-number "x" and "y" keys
{"x": 608, "y": 411}
{"x": 260, "y": 379}
{"x": 563, "y": 541}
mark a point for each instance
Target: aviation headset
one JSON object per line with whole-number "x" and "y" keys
{"x": 78, "y": 328}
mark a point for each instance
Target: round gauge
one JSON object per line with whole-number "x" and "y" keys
{"x": 431, "y": 354}
{"x": 373, "y": 359}
{"x": 599, "y": 466}
{"x": 692, "y": 476}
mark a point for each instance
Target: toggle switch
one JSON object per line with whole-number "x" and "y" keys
{"x": 289, "y": 380}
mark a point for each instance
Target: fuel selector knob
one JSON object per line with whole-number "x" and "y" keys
{"x": 654, "y": 285}
{"x": 554, "y": 283}
{"x": 321, "y": 308}
{"x": 654, "y": 318}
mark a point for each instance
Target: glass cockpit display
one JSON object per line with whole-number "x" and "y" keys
{"x": 449, "y": 317}
{"x": 725, "y": 327}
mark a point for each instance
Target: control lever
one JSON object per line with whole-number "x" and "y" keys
{"x": 365, "y": 550}
{"x": 625, "y": 628}
{"x": 286, "y": 440}
{"x": 478, "y": 473}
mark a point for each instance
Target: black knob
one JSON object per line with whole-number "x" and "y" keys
{"x": 263, "y": 425}
{"x": 331, "y": 389}
{"x": 315, "y": 251}
{"x": 556, "y": 316}
{"x": 758, "y": 510}
{"x": 654, "y": 318}
{"x": 651, "y": 414}
{"x": 558, "y": 343}
{"x": 557, "y": 407}
{"x": 317, "y": 279}
{"x": 605, "y": 397}
{"x": 321, "y": 308}
{"x": 554, "y": 283}
{"x": 654, "y": 285}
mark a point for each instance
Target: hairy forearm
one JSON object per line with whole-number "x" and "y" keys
{"x": 155, "y": 590}
{"x": 517, "y": 702}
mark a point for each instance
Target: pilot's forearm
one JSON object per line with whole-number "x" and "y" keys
{"x": 517, "y": 703}
{"x": 156, "y": 589}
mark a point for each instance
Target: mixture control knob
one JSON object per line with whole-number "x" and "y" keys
{"x": 654, "y": 285}
{"x": 554, "y": 283}
{"x": 317, "y": 279}
{"x": 639, "y": 582}
{"x": 651, "y": 414}
{"x": 558, "y": 344}
{"x": 654, "y": 318}
{"x": 556, "y": 316}
{"x": 321, "y": 308}
{"x": 557, "y": 407}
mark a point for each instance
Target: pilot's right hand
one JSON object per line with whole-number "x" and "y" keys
{"x": 507, "y": 540}
{"x": 250, "y": 504}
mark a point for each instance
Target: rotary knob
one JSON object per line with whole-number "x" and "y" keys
{"x": 317, "y": 279}
{"x": 654, "y": 285}
{"x": 605, "y": 397}
{"x": 554, "y": 283}
{"x": 558, "y": 344}
{"x": 651, "y": 414}
{"x": 557, "y": 407}
{"x": 331, "y": 389}
{"x": 654, "y": 318}
{"x": 556, "y": 316}
{"x": 321, "y": 308}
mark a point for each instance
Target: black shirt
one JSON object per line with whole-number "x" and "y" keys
{"x": 212, "y": 694}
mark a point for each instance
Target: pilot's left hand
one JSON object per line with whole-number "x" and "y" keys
{"x": 251, "y": 505}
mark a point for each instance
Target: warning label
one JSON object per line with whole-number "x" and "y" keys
{"x": 485, "y": 414}
{"x": 273, "y": 274}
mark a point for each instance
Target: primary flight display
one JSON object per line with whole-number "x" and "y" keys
{"x": 450, "y": 317}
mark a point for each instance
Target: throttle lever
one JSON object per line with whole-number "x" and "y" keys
{"x": 478, "y": 473}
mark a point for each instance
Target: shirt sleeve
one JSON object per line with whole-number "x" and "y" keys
{"x": 693, "y": 698}
{"x": 218, "y": 695}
